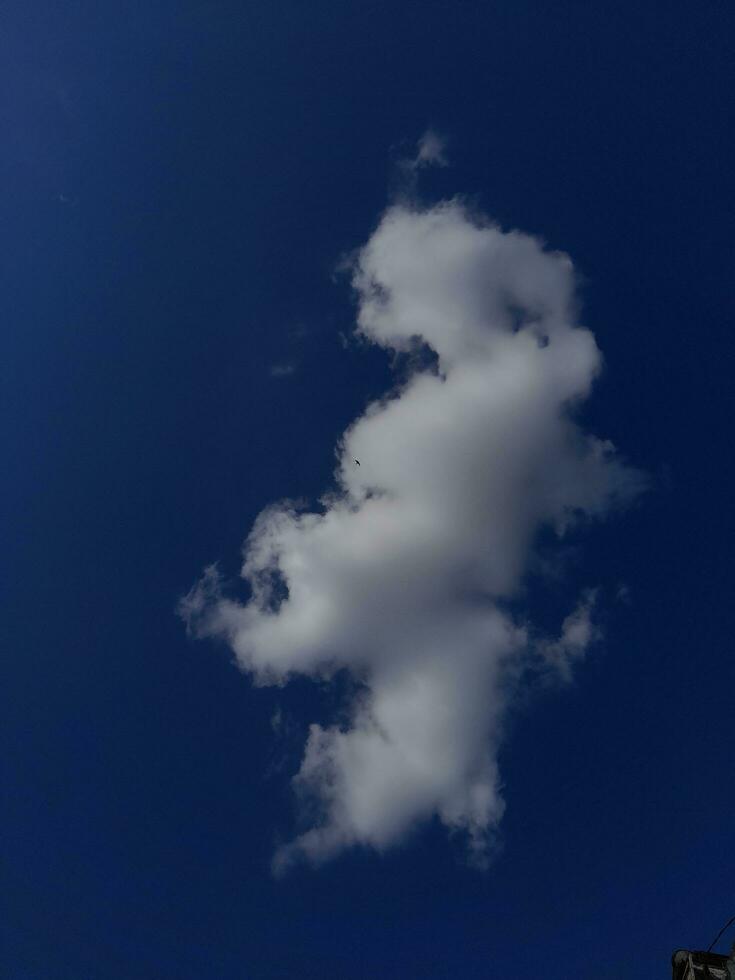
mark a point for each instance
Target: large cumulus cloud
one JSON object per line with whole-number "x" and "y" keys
{"x": 402, "y": 574}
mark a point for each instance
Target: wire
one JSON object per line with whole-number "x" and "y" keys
{"x": 726, "y": 926}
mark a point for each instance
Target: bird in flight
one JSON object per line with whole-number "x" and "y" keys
{"x": 357, "y": 461}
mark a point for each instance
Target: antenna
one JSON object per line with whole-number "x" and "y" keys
{"x": 726, "y": 926}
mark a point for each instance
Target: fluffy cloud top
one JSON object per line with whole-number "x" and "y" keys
{"x": 400, "y": 575}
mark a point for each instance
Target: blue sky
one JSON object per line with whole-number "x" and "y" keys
{"x": 179, "y": 183}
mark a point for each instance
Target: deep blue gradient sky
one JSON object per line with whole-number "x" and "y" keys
{"x": 178, "y": 181}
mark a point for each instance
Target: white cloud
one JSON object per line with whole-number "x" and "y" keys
{"x": 400, "y": 575}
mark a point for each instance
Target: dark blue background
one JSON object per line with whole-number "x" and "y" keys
{"x": 177, "y": 182}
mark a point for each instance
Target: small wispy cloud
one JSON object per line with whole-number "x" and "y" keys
{"x": 431, "y": 151}
{"x": 282, "y": 370}
{"x": 578, "y": 632}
